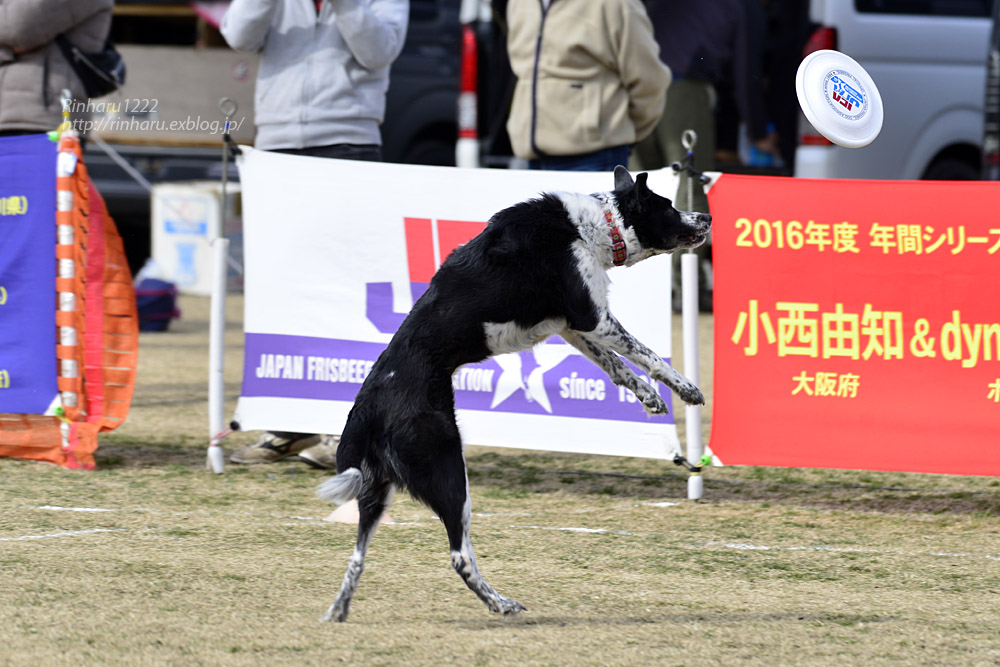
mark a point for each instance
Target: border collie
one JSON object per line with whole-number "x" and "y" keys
{"x": 538, "y": 269}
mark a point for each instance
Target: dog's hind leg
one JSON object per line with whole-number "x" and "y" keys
{"x": 447, "y": 493}
{"x": 372, "y": 502}
{"x": 463, "y": 559}
{"x": 616, "y": 369}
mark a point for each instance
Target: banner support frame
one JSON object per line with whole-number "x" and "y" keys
{"x": 689, "y": 322}
{"x": 216, "y": 356}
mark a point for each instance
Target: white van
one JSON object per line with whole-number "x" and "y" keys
{"x": 928, "y": 59}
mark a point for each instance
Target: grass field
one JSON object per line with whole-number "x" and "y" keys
{"x": 151, "y": 560}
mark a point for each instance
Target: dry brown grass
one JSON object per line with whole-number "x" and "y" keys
{"x": 776, "y": 566}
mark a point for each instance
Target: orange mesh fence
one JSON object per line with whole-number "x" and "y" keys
{"x": 98, "y": 329}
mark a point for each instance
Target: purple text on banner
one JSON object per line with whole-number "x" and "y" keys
{"x": 551, "y": 378}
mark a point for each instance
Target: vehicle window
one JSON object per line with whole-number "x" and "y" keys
{"x": 927, "y": 7}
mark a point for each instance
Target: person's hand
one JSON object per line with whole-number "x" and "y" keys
{"x": 768, "y": 143}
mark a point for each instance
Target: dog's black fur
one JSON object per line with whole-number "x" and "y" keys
{"x": 537, "y": 269}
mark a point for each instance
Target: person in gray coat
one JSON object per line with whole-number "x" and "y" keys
{"x": 33, "y": 70}
{"x": 321, "y": 86}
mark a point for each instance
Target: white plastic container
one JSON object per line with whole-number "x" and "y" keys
{"x": 185, "y": 218}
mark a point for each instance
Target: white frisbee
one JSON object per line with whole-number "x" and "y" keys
{"x": 839, "y": 98}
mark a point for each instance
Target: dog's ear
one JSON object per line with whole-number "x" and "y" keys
{"x": 640, "y": 183}
{"x": 623, "y": 179}
{"x": 642, "y": 190}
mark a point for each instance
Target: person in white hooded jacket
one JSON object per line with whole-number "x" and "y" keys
{"x": 321, "y": 87}
{"x": 323, "y": 72}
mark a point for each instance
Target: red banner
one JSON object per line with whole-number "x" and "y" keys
{"x": 857, "y": 324}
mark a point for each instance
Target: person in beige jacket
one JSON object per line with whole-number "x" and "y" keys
{"x": 590, "y": 82}
{"x": 33, "y": 71}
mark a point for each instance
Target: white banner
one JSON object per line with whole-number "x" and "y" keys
{"x": 336, "y": 252}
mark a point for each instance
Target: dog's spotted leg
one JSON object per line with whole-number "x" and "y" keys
{"x": 619, "y": 373}
{"x": 464, "y": 562}
{"x": 446, "y": 492}
{"x": 355, "y": 566}
{"x": 463, "y": 559}
{"x": 371, "y": 505}
{"x": 610, "y": 333}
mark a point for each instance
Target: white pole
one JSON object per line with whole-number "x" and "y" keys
{"x": 216, "y": 360}
{"x": 689, "y": 323}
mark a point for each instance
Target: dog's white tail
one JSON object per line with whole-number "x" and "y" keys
{"x": 342, "y": 487}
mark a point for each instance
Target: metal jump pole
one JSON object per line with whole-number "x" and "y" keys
{"x": 217, "y": 320}
{"x": 689, "y": 321}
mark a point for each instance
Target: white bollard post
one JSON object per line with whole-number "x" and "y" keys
{"x": 689, "y": 323}
{"x": 216, "y": 361}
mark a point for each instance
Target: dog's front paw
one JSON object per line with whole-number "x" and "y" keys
{"x": 690, "y": 394}
{"x": 652, "y": 402}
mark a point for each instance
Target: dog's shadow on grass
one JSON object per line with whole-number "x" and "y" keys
{"x": 120, "y": 453}
{"x": 521, "y": 475}
{"x": 521, "y": 480}
{"x": 528, "y": 620}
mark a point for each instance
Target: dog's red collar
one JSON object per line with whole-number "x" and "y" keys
{"x": 617, "y": 240}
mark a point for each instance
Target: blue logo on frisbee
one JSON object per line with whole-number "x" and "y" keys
{"x": 845, "y": 95}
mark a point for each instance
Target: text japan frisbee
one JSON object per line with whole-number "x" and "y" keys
{"x": 839, "y": 98}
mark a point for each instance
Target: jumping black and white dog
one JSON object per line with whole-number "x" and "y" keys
{"x": 537, "y": 269}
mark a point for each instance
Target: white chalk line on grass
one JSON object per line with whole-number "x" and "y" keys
{"x": 597, "y": 531}
{"x": 67, "y": 533}
{"x": 740, "y": 546}
{"x": 56, "y": 508}
{"x": 885, "y": 552}
{"x": 743, "y": 546}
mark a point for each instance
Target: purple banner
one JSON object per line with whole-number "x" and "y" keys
{"x": 27, "y": 274}
{"x": 552, "y": 378}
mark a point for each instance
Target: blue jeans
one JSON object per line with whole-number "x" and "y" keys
{"x": 605, "y": 159}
